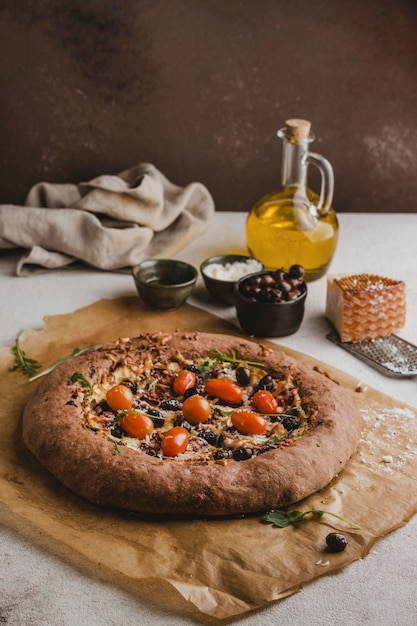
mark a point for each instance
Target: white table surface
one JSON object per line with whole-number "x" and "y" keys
{"x": 38, "y": 588}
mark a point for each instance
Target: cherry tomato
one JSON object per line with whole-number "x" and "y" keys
{"x": 137, "y": 424}
{"x": 248, "y": 422}
{"x": 224, "y": 389}
{"x": 175, "y": 441}
{"x": 265, "y": 401}
{"x": 119, "y": 398}
{"x": 196, "y": 409}
{"x": 185, "y": 380}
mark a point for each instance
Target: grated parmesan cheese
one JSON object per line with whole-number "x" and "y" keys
{"x": 233, "y": 271}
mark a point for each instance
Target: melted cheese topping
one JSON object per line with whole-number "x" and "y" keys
{"x": 213, "y": 440}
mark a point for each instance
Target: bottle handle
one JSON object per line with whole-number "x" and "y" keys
{"x": 327, "y": 182}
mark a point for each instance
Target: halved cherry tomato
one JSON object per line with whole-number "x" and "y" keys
{"x": 137, "y": 424}
{"x": 175, "y": 441}
{"x": 248, "y": 422}
{"x": 119, "y": 398}
{"x": 224, "y": 389}
{"x": 185, "y": 380}
{"x": 265, "y": 401}
{"x": 196, "y": 409}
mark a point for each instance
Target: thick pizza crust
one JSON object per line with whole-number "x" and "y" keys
{"x": 55, "y": 431}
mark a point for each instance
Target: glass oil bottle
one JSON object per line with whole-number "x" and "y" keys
{"x": 294, "y": 225}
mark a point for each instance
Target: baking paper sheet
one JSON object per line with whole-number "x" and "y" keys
{"x": 219, "y": 568}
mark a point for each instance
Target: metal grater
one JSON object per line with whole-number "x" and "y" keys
{"x": 390, "y": 355}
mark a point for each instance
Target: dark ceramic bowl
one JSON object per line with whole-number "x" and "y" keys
{"x": 269, "y": 319}
{"x": 164, "y": 283}
{"x": 222, "y": 290}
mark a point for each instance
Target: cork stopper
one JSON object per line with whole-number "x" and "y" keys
{"x": 299, "y": 129}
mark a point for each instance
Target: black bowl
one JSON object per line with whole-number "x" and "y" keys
{"x": 269, "y": 319}
{"x": 164, "y": 283}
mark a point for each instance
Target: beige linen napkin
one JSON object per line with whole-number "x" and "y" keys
{"x": 111, "y": 222}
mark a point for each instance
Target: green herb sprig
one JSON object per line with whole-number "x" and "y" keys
{"x": 79, "y": 377}
{"x": 23, "y": 363}
{"x": 152, "y": 384}
{"x": 282, "y": 519}
{"x": 223, "y": 411}
{"x": 121, "y": 413}
{"x": 231, "y": 358}
{"x": 49, "y": 369}
{"x": 278, "y": 438}
{"x": 205, "y": 367}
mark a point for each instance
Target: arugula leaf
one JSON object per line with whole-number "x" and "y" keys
{"x": 29, "y": 366}
{"x": 78, "y": 376}
{"x": 223, "y": 411}
{"x": 282, "y": 519}
{"x": 152, "y": 384}
{"x": 231, "y": 358}
{"x": 277, "y": 438}
{"x": 158, "y": 420}
{"x": 49, "y": 369}
{"x": 22, "y": 362}
{"x": 121, "y": 413}
{"x": 205, "y": 367}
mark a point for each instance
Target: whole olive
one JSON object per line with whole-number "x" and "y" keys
{"x": 280, "y": 274}
{"x": 285, "y": 286}
{"x": 116, "y": 431}
{"x": 191, "y": 391}
{"x": 243, "y": 376}
{"x": 242, "y": 454}
{"x": 336, "y": 542}
{"x": 293, "y": 294}
{"x": 156, "y": 417}
{"x": 267, "y": 279}
{"x": 209, "y": 436}
{"x": 266, "y": 295}
{"x": 221, "y": 454}
{"x": 182, "y": 422}
{"x": 170, "y": 405}
{"x": 276, "y": 295}
{"x": 291, "y": 422}
{"x": 297, "y": 271}
{"x": 266, "y": 383}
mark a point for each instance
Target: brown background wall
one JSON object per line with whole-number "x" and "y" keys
{"x": 199, "y": 88}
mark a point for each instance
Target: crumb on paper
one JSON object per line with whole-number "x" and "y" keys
{"x": 388, "y": 458}
{"x": 361, "y": 387}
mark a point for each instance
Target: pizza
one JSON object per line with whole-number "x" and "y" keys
{"x": 190, "y": 424}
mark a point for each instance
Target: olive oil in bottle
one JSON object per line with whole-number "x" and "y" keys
{"x": 294, "y": 225}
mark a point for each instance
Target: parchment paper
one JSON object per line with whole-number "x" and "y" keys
{"x": 222, "y": 567}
